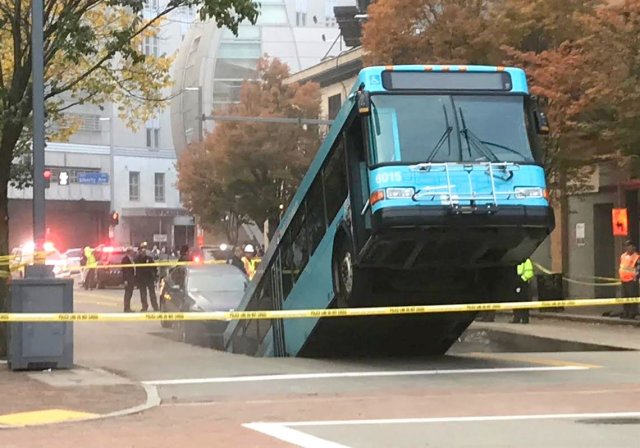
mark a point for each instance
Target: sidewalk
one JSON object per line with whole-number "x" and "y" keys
{"x": 41, "y": 397}
{"x": 624, "y": 337}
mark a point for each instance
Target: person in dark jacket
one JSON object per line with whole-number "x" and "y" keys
{"x": 129, "y": 277}
{"x": 236, "y": 259}
{"x": 184, "y": 254}
{"x": 146, "y": 278}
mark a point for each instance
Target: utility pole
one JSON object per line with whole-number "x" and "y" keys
{"x": 37, "y": 77}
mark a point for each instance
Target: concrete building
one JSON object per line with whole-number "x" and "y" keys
{"x": 110, "y": 167}
{"x": 213, "y": 63}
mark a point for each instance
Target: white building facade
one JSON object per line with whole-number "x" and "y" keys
{"x": 101, "y": 160}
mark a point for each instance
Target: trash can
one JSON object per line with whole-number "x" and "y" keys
{"x": 41, "y": 345}
{"x": 550, "y": 287}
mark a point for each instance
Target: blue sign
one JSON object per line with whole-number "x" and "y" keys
{"x": 92, "y": 178}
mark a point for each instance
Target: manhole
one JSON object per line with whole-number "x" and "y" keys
{"x": 611, "y": 421}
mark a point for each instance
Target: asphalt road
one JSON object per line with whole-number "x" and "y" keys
{"x": 478, "y": 396}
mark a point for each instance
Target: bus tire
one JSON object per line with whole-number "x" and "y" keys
{"x": 351, "y": 284}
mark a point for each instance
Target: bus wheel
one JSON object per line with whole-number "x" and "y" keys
{"x": 350, "y": 282}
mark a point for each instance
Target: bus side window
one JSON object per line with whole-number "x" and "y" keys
{"x": 335, "y": 181}
{"x": 316, "y": 219}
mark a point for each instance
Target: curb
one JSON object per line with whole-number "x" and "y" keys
{"x": 613, "y": 321}
{"x": 588, "y": 319}
{"x": 153, "y": 400}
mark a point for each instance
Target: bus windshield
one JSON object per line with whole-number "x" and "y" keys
{"x": 449, "y": 128}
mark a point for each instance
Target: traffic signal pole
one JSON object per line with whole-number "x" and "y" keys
{"x": 37, "y": 76}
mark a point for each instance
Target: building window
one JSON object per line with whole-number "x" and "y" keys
{"x": 159, "y": 187}
{"x": 134, "y": 185}
{"x": 153, "y": 137}
{"x": 150, "y": 45}
{"x": 301, "y": 18}
{"x": 334, "y": 102}
{"x": 152, "y": 5}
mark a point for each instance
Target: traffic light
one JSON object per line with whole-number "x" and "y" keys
{"x": 620, "y": 222}
{"x": 47, "y": 178}
{"x": 115, "y": 218}
{"x": 63, "y": 178}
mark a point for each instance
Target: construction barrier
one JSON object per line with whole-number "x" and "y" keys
{"x": 304, "y": 314}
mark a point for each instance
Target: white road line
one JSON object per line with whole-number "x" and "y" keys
{"x": 283, "y": 431}
{"x": 379, "y": 373}
{"x": 484, "y": 418}
{"x": 292, "y": 436}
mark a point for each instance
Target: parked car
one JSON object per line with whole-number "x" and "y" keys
{"x": 73, "y": 257}
{"x": 220, "y": 252}
{"x": 24, "y": 255}
{"x": 197, "y": 288}
{"x": 106, "y": 276}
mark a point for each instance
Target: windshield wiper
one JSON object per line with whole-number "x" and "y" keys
{"x": 443, "y": 137}
{"x": 472, "y": 139}
{"x": 506, "y": 148}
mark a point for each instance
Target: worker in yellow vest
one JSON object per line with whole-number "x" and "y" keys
{"x": 523, "y": 290}
{"x": 248, "y": 261}
{"x": 628, "y": 273}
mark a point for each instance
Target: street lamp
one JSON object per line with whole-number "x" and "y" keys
{"x": 200, "y": 116}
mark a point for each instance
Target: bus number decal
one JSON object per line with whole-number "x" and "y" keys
{"x": 392, "y": 176}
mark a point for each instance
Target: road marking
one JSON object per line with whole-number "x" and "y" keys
{"x": 87, "y": 302}
{"x": 529, "y": 359}
{"x": 477, "y": 418}
{"x": 292, "y": 436}
{"x": 43, "y": 417}
{"x": 283, "y": 430}
{"x": 379, "y": 373}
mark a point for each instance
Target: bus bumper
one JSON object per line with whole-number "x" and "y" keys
{"x": 424, "y": 237}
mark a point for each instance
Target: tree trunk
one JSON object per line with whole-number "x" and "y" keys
{"x": 4, "y": 268}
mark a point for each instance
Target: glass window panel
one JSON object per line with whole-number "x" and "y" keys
{"x": 272, "y": 15}
{"x": 244, "y": 33}
{"x": 239, "y": 50}
{"x": 335, "y": 181}
{"x": 316, "y": 224}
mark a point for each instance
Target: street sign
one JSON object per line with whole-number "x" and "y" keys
{"x": 159, "y": 238}
{"x": 93, "y": 178}
{"x": 620, "y": 222}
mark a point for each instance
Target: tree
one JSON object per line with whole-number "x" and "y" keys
{"x": 92, "y": 54}
{"x": 251, "y": 168}
{"x": 431, "y": 32}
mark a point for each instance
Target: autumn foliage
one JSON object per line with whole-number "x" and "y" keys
{"x": 582, "y": 58}
{"x": 251, "y": 168}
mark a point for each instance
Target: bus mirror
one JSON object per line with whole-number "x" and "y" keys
{"x": 364, "y": 103}
{"x": 542, "y": 123}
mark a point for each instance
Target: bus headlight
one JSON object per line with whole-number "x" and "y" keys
{"x": 400, "y": 193}
{"x": 529, "y": 192}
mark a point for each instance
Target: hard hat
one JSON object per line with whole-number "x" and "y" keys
{"x": 249, "y": 248}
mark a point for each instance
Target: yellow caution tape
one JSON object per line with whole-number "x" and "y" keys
{"x": 302, "y": 314}
{"x": 605, "y": 281}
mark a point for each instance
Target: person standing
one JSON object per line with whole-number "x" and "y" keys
{"x": 92, "y": 263}
{"x": 628, "y": 273}
{"x": 236, "y": 259}
{"x": 525, "y": 274}
{"x": 145, "y": 278}
{"x": 248, "y": 261}
{"x": 129, "y": 277}
{"x": 184, "y": 254}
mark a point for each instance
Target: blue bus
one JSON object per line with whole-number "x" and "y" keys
{"x": 428, "y": 189}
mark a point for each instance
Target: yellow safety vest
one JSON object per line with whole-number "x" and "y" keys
{"x": 525, "y": 270}
{"x": 249, "y": 266}
{"x": 627, "y": 269}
